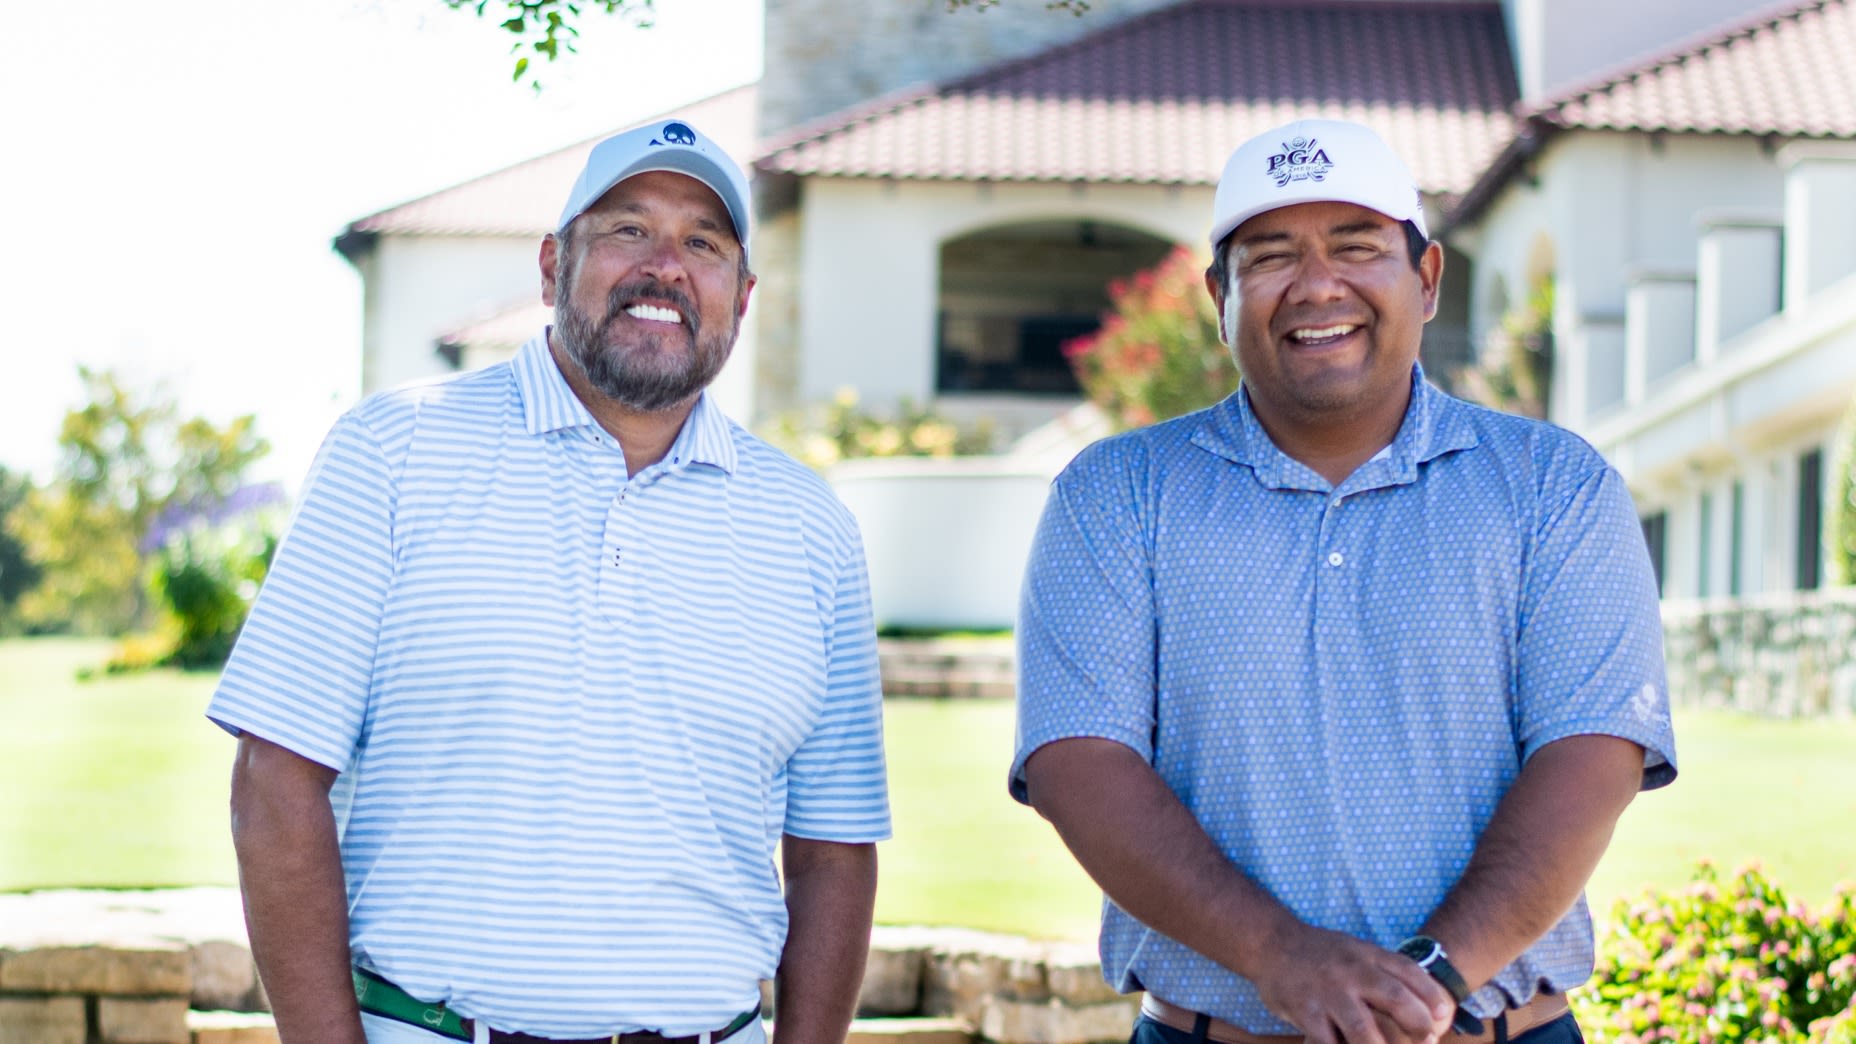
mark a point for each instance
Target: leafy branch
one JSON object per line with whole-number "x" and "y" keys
{"x": 545, "y": 28}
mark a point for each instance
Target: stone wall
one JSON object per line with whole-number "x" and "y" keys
{"x": 172, "y": 967}
{"x": 826, "y": 55}
{"x": 1785, "y": 655}
{"x": 1003, "y": 987}
{"x": 127, "y": 968}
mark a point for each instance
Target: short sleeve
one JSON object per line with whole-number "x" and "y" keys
{"x": 1590, "y": 648}
{"x": 302, "y": 669}
{"x": 837, "y": 786}
{"x": 1086, "y": 619}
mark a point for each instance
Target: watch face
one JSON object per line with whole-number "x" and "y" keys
{"x": 1422, "y": 949}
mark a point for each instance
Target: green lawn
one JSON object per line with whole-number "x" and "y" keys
{"x": 113, "y": 782}
{"x": 121, "y": 782}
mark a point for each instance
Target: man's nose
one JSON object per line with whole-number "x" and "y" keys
{"x": 665, "y": 261}
{"x": 1317, "y": 278}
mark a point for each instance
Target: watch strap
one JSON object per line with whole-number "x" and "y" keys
{"x": 1430, "y": 955}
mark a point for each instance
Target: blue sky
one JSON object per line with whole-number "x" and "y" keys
{"x": 174, "y": 175}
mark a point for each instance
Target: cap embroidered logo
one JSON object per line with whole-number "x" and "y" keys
{"x": 679, "y": 134}
{"x": 1301, "y": 159}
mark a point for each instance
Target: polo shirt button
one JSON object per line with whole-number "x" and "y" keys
{"x": 1334, "y": 558}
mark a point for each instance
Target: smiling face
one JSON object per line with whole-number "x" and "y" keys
{"x": 648, "y": 287}
{"x": 1329, "y": 315}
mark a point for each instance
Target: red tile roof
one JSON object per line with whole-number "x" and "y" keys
{"x": 1789, "y": 72}
{"x": 526, "y": 199}
{"x": 1786, "y": 72}
{"x": 1164, "y": 97}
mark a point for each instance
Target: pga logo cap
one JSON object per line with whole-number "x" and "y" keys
{"x": 1314, "y": 161}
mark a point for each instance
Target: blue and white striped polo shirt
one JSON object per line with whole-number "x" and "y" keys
{"x": 1341, "y": 682}
{"x": 573, "y": 711}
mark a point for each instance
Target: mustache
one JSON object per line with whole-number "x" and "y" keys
{"x": 626, "y": 295}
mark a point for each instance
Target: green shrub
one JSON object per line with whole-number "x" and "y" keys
{"x": 1719, "y": 963}
{"x": 207, "y": 560}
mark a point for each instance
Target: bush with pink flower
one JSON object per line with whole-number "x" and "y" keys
{"x": 1722, "y": 963}
{"x": 1157, "y": 354}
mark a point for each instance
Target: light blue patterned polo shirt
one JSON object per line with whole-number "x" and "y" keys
{"x": 1341, "y": 683}
{"x": 573, "y": 712}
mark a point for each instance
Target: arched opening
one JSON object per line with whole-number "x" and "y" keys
{"x": 1011, "y": 295}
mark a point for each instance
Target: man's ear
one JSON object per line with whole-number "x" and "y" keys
{"x": 1227, "y": 333}
{"x": 550, "y": 268}
{"x": 1430, "y": 276}
{"x": 747, "y": 287}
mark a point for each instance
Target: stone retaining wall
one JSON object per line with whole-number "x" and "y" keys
{"x": 948, "y": 667}
{"x": 1786, "y": 655}
{"x": 122, "y": 967}
{"x": 172, "y": 967}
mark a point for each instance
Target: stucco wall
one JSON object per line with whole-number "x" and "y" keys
{"x": 1627, "y": 217}
{"x": 420, "y": 287}
{"x": 1555, "y": 46}
{"x": 868, "y": 255}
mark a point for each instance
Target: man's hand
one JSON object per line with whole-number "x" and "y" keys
{"x": 830, "y": 897}
{"x": 1335, "y": 988}
{"x": 296, "y": 905}
{"x": 1143, "y": 846}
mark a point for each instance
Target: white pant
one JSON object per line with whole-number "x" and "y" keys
{"x": 393, "y": 1031}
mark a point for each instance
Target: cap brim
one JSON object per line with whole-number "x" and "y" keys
{"x": 687, "y": 162}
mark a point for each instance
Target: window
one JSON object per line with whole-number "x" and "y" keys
{"x": 1704, "y": 576}
{"x": 1736, "y": 538}
{"x": 1655, "y": 537}
{"x": 1810, "y": 518}
{"x": 1012, "y": 295}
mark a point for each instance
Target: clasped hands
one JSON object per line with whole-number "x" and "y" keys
{"x": 1336, "y": 989}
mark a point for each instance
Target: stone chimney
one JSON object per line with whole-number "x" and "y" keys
{"x": 822, "y": 56}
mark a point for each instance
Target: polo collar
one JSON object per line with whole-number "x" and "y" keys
{"x": 1434, "y": 424}
{"x": 549, "y": 405}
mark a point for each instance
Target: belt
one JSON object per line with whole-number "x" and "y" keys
{"x": 377, "y": 996}
{"x": 1544, "y": 1008}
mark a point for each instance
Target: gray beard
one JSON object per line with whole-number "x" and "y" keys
{"x": 631, "y": 378}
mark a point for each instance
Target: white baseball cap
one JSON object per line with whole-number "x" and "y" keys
{"x": 671, "y": 145}
{"x": 1314, "y": 161}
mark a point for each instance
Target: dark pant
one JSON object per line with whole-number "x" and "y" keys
{"x": 1563, "y": 1030}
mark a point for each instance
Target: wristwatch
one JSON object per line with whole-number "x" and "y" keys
{"x": 1430, "y": 955}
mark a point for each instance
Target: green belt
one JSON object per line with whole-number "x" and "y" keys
{"x": 377, "y": 996}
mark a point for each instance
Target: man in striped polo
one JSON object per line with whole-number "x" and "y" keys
{"x": 552, "y": 659}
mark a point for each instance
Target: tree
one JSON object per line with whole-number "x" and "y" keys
{"x": 18, "y": 573}
{"x": 124, "y": 463}
{"x": 546, "y": 28}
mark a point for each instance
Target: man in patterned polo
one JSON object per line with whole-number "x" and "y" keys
{"x": 552, "y": 659}
{"x": 1339, "y": 687}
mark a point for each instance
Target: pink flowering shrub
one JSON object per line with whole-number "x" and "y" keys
{"x": 1719, "y": 963}
{"x": 1157, "y": 354}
